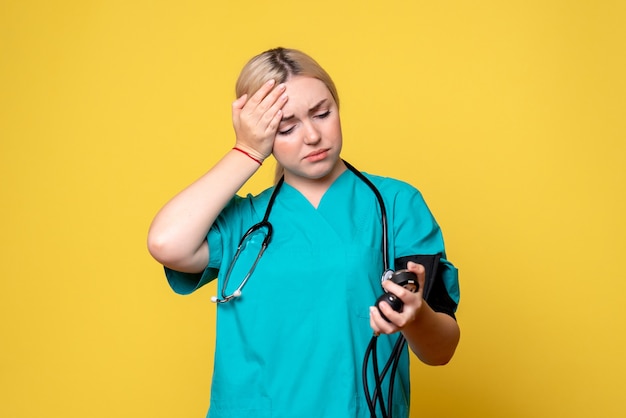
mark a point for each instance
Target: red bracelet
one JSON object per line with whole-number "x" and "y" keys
{"x": 248, "y": 154}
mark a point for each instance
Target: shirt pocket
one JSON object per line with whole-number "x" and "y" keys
{"x": 363, "y": 268}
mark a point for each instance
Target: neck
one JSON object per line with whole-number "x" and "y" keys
{"x": 314, "y": 188}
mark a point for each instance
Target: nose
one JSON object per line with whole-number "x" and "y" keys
{"x": 311, "y": 134}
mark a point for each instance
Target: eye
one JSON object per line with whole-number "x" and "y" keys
{"x": 286, "y": 131}
{"x": 323, "y": 115}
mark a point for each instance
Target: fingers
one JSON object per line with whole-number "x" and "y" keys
{"x": 265, "y": 103}
{"x": 402, "y": 293}
{"x": 266, "y": 95}
{"x": 378, "y": 323}
{"x": 419, "y": 271}
{"x": 412, "y": 303}
{"x": 240, "y": 102}
{"x": 273, "y": 115}
{"x": 256, "y": 118}
{"x": 263, "y": 108}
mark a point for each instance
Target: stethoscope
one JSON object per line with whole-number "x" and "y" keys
{"x": 267, "y": 226}
{"x": 264, "y": 224}
{"x": 392, "y": 363}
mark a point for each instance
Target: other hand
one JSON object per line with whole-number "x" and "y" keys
{"x": 413, "y": 303}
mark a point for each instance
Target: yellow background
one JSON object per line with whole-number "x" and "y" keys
{"x": 508, "y": 115}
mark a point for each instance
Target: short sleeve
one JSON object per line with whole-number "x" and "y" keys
{"x": 186, "y": 283}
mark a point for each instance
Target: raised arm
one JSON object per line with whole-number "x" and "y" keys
{"x": 177, "y": 235}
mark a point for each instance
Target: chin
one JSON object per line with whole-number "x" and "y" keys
{"x": 328, "y": 169}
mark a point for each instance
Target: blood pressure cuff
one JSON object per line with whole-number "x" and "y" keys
{"x": 441, "y": 288}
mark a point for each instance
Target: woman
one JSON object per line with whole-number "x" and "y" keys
{"x": 292, "y": 342}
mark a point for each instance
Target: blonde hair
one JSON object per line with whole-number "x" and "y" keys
{"x": 280, "y": 64}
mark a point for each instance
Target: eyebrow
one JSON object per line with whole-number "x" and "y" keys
{"x": 311, "y": 110}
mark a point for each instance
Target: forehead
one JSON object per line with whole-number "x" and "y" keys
{"x": 305, "y": 92}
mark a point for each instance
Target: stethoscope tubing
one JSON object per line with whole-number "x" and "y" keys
{"x": 265, "y": 223}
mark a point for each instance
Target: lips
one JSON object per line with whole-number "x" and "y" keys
{"x": 317, "y": 154}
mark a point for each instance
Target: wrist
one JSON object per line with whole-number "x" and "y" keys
{"x": 250, "y": 153}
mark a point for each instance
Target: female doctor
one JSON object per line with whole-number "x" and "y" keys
{"x": 299, "y": 314}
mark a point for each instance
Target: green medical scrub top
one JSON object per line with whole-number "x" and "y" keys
{"x": 293, "y": 344}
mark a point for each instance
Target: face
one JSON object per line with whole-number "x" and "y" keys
{"x": 308, "y": 141}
